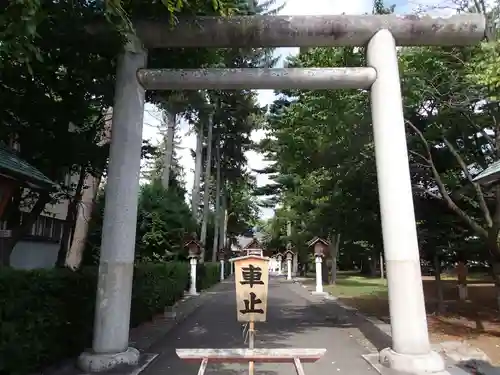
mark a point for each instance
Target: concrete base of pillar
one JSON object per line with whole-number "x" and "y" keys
{"x": 94, "y": 362}
{"x": 319, "y": 293}
{"x": 192, "y": 294}
{"x": 430, "y": 363}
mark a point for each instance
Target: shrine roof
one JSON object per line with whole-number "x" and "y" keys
{"x": 249, "y": 257}
{"x": 12, "y": 166}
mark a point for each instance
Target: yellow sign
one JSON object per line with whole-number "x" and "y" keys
{"x": 252, "y": 278}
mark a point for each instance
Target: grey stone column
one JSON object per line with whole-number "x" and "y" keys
{"x": 116, "y": 265}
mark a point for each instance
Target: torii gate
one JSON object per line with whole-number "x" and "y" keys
{"x": 410, "y": 351}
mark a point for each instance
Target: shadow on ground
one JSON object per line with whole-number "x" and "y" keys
{"x": 479, "y": 367}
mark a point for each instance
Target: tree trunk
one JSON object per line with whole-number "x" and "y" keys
{"x": 334, "y": 251}
{"x": 325, "y": 267}
{"x": 169, "y": 118}
{"x": 206, "y": 192}
{"x": 222, "y": 200}
{"x": 217, "y": 208}
{"x": 226, "y": 216}
{"x": 19, "y": 231}
{"x": 223, "y": 205}
{"x": 382, "y": 273}
{"x": 83, "y": 216}
{"x": 439, "y": 285}
{"x": 195, "y": 193}
{"x": 373, "y": 266}
{"x": 494, "y": 252}
{"x": 71, "y": 214}
{"x": 462, "y": 280}
{"x": 495, "y": 271}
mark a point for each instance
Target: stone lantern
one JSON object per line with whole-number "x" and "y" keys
{"x": 289, "y": 258}
{"x": 320, "y": 249}
{"x": 194, "y": 250}
{"x": 279, "y": 258}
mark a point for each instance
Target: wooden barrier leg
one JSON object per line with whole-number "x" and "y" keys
{"x": 298, "y": 366}
{"x": 251, "y": 343}
{"x": 203, "y": 366}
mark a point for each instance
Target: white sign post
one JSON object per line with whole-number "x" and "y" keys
{"x": 252, "y": 284}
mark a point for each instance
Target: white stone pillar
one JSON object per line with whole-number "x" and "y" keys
{"x": 279, "y": 266}
{"x": 411, "y": 351}
{"x": 319, "y": 280}
{"x": 192, "y": 288}
{"x": 289, "y": 268}
{"x": 221, "y": 269}
{"x": 116, "y": 264}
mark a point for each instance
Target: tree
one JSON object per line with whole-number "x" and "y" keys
{"x": 163, "y": 222}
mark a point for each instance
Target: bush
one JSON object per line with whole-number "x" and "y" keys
{"x": 47, "y": 315}
{"x": 207, "y": 274}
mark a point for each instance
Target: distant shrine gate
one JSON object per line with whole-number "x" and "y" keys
{"x": 410, "y": 351}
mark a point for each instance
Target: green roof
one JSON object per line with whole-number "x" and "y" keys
{"x": 14, "y": 167}
{"x": 490, "y": 174}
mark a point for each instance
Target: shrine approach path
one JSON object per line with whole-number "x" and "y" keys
{"x": 293, "y": 321}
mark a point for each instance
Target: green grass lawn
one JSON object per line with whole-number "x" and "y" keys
{"x": 351, "y": 286}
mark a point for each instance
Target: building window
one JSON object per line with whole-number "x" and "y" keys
{"x": 47, "y": 228}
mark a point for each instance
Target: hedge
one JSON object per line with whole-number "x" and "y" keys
{"x": 47, "y": 315}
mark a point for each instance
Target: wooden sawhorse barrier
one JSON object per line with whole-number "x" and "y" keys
{"x": 295, "y": 356}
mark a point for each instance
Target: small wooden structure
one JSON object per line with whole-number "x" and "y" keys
{"x": 319, "y": 246}
{"x": 193, "y": 247}
{"x": 253, "y": 248}
{"x": 289, "y": 254}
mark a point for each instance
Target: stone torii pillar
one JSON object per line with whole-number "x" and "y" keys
{"x": 116, "y": 264}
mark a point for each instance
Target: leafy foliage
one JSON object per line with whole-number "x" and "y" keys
{"x": 164, "y": 219}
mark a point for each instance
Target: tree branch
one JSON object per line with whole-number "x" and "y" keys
{"x": 442, "y": 189}
{"x": 480, "y": 130}
{"x": 477, "y": 187}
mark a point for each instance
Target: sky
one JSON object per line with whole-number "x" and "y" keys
{"x": 152, "y": 116}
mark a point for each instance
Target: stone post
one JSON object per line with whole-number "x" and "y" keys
{"x": 221, "y": 269}
{"x": 116, "y": 264}
{"x": 319, "y": 280}
{"x": 289, "y": 266}
{"x": 411, "y": 350}
{"x": 193, "y": 261}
